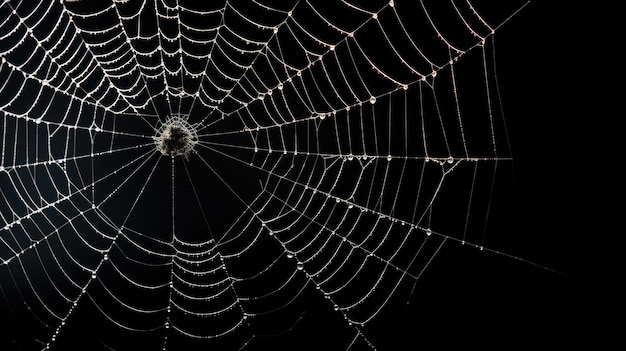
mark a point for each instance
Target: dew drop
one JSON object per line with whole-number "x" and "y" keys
{"x": 389, "y": 157}
{"x": 300, "y": 266}
{"x": 280, "y": 86}
{"x": 289, "y": 255}
{"x": 336, "y": 308}
{"x": 372, "y": 100}
{"x": 429, "y": 232}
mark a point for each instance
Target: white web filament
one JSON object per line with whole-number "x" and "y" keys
{"x": 329, "y": 148}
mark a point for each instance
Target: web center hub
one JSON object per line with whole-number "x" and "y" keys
{"x": 176, "y": 137}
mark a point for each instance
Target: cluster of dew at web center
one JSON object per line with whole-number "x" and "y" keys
{"x": 176, "y": 137}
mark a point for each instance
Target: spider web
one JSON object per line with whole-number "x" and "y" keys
{"x": 340, "y": 147}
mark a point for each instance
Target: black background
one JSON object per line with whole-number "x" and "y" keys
{"x": 550, "y": 65}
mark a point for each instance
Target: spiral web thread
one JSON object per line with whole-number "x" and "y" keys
{"x": 371, "y": 132}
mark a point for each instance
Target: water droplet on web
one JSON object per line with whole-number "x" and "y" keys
{"x": 450, "y": 159}
{"x": 389, "y": 157}
{"x": 300, "y": 266}
{"x": 429, "y": 232}
{"x": 336, "y": 308}
{"x": 280, "y": 86}
{"x": 372, "y": 100}
{"x": 289, "y": 255}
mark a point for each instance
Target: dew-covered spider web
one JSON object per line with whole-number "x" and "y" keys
{"x": 192, "y": 174}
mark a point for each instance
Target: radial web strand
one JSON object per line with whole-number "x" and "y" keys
{"x": 212, "y": 174}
